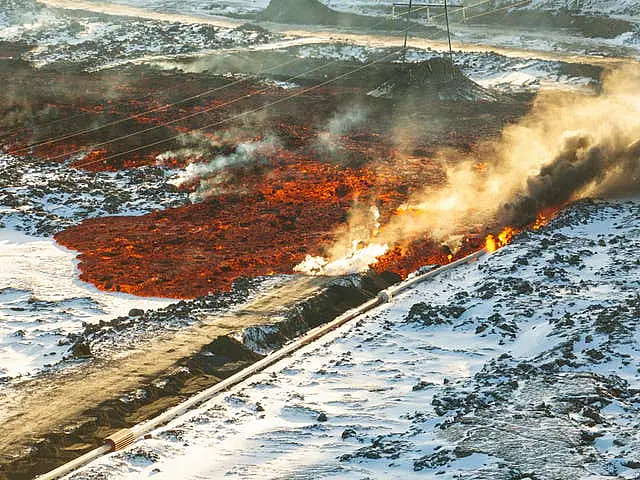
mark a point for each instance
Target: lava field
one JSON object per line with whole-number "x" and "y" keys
{"x": 265, "y": 213}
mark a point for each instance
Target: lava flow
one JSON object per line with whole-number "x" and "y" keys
{"x": 495, "y": 242}
{"x": 260, "y": 217}
{"x": 285, "y": 209}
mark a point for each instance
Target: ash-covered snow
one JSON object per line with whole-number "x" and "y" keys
{"x": 584, "y": 7}
{"x": 488, "y": 69}
{"x": 41, "y": 198}
{"x": 522, "y": 365}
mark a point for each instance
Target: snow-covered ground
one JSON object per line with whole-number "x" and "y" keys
{"x": 96, "y": 40}
{"x": 522, "y": 365}
{"x": 92, "y": 40}
{"x": 41, "y": 299}
{"x": 41, "y": 198}
{"x": 585, "y": 7}
{"x": 42, "y": 302}
{"x": 372, "y": 7}
{"x": 489, "y": 69}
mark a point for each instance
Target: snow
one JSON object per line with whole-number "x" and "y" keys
{"x": 382, "y": 7}
{"x": 42, "y": 198}
{"x": 417, "y": 389}
{"x": 589, "y": 7}
{"x": 94, "y": 41}
{"x": 42, "y": 301}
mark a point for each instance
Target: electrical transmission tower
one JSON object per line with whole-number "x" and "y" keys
{"x": 412, "y": 7}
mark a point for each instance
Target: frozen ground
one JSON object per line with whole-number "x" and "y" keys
{"x": 41, "y": 198}
{"x": 373, "y": 7}
{"x": 41, "y": 302}
{"x": 41, "y": 299}
{"x": 489, "y": 69}
{"x": 98, "y": 40}
{"x": 523, "y": 365}
{"x": 587, "y": 7}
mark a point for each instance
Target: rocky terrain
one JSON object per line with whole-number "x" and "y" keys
{"x": 176, "y": 153}
{"x": 523, "y": 365}
{"x": 41, "y": 198}
{"x": 92, "y": 41}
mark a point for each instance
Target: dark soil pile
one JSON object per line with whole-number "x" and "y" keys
{"x": 589, "y": 26}
{"x": 312, "y": 12}
{"x": 436, "y": 78}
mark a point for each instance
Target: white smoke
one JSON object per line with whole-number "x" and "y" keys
{"x": 329, "y": 140}
{"x": 361, "y": 252}
{"x": 358, "y": 260}
{"x": 568, "y": 147}
{"x": 209, "y": 176}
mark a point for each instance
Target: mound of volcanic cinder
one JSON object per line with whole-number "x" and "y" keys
{"x": 436, "y": 78}
{"x": 312, "y": 12}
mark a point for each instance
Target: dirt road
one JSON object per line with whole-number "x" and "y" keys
{"x": 38, "y": 407}
{"x": 324, "y": 34}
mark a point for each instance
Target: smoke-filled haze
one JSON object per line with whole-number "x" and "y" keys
{"x": 569, "y": 146}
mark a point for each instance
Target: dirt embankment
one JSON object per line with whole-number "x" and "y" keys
{"x": 55, "y": 422}
{"x": 312, "y": 12}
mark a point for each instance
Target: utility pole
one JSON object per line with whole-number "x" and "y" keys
{"x": 428, "y": 7}
{"x": 408, "y": 26}
{"x": 446, "y": 16}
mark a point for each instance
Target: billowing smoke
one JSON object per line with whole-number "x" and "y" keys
{"x": 194, "y": 147}
{"x": 355, "y": 251}
{"x": 209, "y": 170}
{"x": 569, "y": 146}
{"x": 583, "y": 166}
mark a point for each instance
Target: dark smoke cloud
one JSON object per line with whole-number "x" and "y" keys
{"x": 570, "y": 146}
{"x": 611, "y": 168}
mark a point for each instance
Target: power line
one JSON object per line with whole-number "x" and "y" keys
{"x": 506, "y": 7}
{"x": 191, "y": 115}
{"x": 141, "y": 114}
{"x": 157, "y": 109}
{"x": 246, "y": 113}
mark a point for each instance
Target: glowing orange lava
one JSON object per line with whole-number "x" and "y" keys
{"x": 268, "y": 216}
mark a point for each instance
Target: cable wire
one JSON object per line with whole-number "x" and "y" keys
{"x": 245, "y": 113}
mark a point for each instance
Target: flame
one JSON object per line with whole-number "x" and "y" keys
{"x": 490, "y": 243}
{"x": 544, "y": 217}
{"x": 495, "y": 242}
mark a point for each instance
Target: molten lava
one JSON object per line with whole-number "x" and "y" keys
{"x": 264, "y": 218}
{"x": 495, "y": 242}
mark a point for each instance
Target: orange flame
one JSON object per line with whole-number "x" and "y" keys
{"x": 493, "y": 243}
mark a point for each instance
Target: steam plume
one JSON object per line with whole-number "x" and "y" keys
{"x": 209, "y": 170}
{"x": 329, "y": 141}
{"x": 568, "y": 147}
